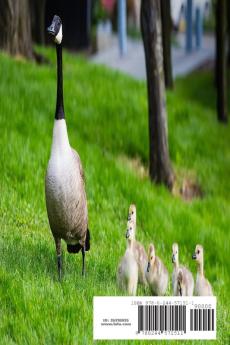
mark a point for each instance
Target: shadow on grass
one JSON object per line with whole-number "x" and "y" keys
{"x": 29, "y": 259}
{"x": 39, "y": 261}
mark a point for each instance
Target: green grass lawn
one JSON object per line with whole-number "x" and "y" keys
{"x": 107, "y": 123}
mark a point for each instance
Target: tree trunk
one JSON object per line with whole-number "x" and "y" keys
{"x": 37, "y": 8}
{"x": 160, "y": 166}
{"x": 221, "y": 60}
{"x": 228, "y": 24}
{"x": 166, "y": 38}
{"x": 15, "y": 27}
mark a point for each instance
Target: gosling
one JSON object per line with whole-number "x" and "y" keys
{"x": 127, "y": 273}
{"x": 185, "y": 278}
{"x": 156, "y": 274}
{"x": 132, "y": 215}
{"x": 139, "y": 251}
{"x": 203, "y": 287}
{"x": 181, "y": 284}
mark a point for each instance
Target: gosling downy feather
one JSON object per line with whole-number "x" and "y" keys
{"x": 132, "y": 215}
{"x": 182, "y": 284}
{"x": 202, "y": 287}
{"x": 156, "y": 273}
{"x": 64, "y": 186}
{"x": 127, "y": 273}
{"x": 138, "y": 249}
{"x": 186, "y": 276}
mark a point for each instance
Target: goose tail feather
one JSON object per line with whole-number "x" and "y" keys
{"x": 74, "y": 248}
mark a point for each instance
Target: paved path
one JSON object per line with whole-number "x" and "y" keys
{"x": 134, "y": 65}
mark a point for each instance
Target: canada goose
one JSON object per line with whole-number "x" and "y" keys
{"x": 156, "y": 273}
{"x": 185, "y": 278}
{"x": 64, "y": 186}
{"x": 203, "y": 287}
{"x": 139, "y": 251}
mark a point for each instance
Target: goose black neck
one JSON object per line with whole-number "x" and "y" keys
{"x": 59, "y": 114}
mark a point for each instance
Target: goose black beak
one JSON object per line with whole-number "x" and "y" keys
{"x": 194, "y": 256}
{"x": 148, "y": 267}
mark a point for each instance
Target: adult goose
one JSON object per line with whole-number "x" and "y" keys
{"x": 64, "y": 186}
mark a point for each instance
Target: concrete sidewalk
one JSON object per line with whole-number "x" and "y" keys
{"x": 133, "y": 62}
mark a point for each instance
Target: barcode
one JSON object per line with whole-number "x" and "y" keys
{"x": 156, "y": 318}
{"x": 161, "y": 318}
{"x": 202, "y": 319}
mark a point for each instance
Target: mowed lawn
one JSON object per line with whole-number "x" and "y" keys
{"x": 107, "y": 122}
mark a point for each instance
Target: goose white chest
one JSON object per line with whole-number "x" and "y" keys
{"x": 62, "y": 180}
{"x": 62, "y": 177}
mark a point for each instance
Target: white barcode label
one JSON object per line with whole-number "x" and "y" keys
{"x": 154, "y": 317}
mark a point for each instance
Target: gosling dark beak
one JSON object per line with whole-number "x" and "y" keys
{"x": 127, "y": 234}
{"x": 51, "y": 29}
{"x": 148, "y": 267}
{"x": 180, "y": 291}
{"x": 173, "y": 258}
{"x": 194, "y": 256}
{"x": 129, "y": 217}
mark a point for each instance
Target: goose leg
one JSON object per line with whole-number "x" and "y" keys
{"x": 83, "y": 260}
{"x": 59, "y": 264}
{"x": 59, "y": 258}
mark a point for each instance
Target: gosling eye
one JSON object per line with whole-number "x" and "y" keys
{"x": 151, "y": 258}
{"x": 132, "y": 212}
{"x": 198, "y": 252}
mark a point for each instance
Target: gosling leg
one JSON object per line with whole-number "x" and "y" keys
{"x": 59, "y": 258}
{"x": 83, "y": 260}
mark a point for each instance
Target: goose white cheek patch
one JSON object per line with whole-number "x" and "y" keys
{"x": 58, "y": 37}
